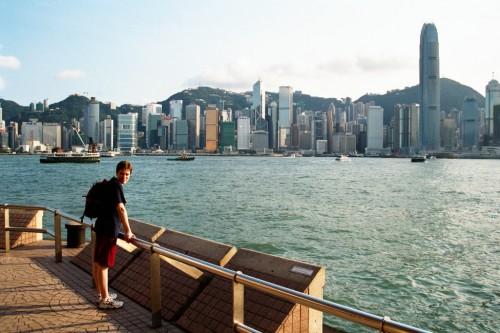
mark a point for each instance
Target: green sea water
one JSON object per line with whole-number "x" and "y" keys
{"x": 418, "y": 242}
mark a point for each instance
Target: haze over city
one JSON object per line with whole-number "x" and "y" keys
{"x": 141, "y": 52}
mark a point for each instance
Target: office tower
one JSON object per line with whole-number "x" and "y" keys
{"x": 193, "y": 118}
{"x": 449, "y": 133}
{"x": 46, "y": 104}
{"x": 492, "y": 98}
{"x": 285, "y": 116}
{"x": 127, "y": 132}
{"x": 108, "y": 132}
{"x": 430, "y": 89}
{"x": 227, "y": 132}
{"x": 212, "y": 129}
{"x": 273, "y": 113}
{"x": 469, "y": 124}
{"x": 151, "y": 108}
{"x": 152, "y": 135}
{"x": 375, "y": 128}
{"x": 330, "y": 117}
{"x": 496, "y": 125}
{"x": 51, "y": 135}
{"x": 91, "y": 120}
{"x": 2, "y": 122}
{"x": 13, "y": 135}
{"x": 304, "y": 123}
{"x": 176, "y": 109}
{"x": 181, "y": 134}
{"x": 243, "y": 134}
{"x": 31, "y": 132}
{"x": 259, "y": 106}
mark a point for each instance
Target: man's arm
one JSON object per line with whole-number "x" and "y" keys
{"x": 122, "y": 212}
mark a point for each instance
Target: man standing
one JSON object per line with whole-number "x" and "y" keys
{"x": 107, "y": 227}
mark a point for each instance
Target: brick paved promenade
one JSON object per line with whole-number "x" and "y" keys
{"x": 39, "y": 295}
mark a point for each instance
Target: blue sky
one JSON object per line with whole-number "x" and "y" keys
{"x": 138, "y": 52}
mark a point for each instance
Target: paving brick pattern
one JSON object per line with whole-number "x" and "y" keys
{"x": 39, "y": 295}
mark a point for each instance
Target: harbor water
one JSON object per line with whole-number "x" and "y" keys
{"x": 418, "y": 242}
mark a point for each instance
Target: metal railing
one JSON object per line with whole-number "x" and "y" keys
{"x": 239, "y": 281}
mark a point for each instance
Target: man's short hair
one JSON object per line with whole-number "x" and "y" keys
{"x": 124, "y": 165}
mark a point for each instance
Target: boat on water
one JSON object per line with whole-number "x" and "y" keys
{"x": 343, "y": 158}
{"x": 108, "y": 153}
{"x": 293, "y": 155}
{"x": 183, "y": 157}
{"x": 418, "y": 158}
{"x": 59, "y": 156}
{"x": 70, "y": 157}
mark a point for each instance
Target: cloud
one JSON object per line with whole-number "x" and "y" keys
{"x": 370, "y": 64}
{"x": 71, "y": 74}
{"x": 9, "y": 62}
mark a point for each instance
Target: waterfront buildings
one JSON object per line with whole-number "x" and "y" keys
{"x": 285, "y": 116}
{"x": 492, "y": 98}
{"x": 127, "y": 132}
{"x": 108, "y": 131}
{"x": 91, "y": 120}
{"x": 375, "y": 129}
{"x": 469, "y": 124}
{"x": 212, "y": 129}
{"x": 243, "y": 134}
{"x": 430, "y": 89}
{"x": 259, "y": 106}
{"x": 193, "y": 118}
{"x": 176, "y": 109}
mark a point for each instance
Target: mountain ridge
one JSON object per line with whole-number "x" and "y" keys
{"x": 452, "y": 96}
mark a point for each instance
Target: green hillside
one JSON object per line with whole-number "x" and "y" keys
{"x": 452, "y": 96}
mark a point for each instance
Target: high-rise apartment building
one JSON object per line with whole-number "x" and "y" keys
{"x": 405, "y": 129}
{"x": 285, "y": 116}
{"x": 127, "y": 132}
{"x": 91, "y": 120}
{"x": 492, "y": 98}
{"x": 430, "y": 89}
{"x": 212, "y": 129}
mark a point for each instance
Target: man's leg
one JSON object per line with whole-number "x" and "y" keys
{"x": 101, "y": 280}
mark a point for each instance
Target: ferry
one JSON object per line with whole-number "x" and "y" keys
{"x": 418, "y": 158}
{"x": 343, "y": 158}
{"x": 183, "y": 157}
{"x": 70, "y": 157}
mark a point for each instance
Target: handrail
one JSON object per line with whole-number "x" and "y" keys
{"x": 240, "y": 280}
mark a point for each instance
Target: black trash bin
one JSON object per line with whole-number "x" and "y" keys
{"x": 76, "y": 234}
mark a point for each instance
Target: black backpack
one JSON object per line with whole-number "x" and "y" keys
{"x": 94, "y": 200}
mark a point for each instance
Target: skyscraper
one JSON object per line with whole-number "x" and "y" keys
{"x": 91, "y": 117}
{"x": 492, "y": 98}
{"x": 259, "y": 106}
{"x": 285, "y": 116}
{"x": 430, "y": 89}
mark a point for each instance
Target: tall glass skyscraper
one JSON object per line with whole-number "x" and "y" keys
{"x": 259, "y": 106}
{"x": 492, "y": 98}
{"x": 430, "y": 89}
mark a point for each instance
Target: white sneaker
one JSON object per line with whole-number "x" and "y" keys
{"x": 110, "y": 303}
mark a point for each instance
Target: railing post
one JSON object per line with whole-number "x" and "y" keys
{"x": 6, "y": 222}
{"x": 154, "y": 259}
{"x": 238, "y": 301}
{"x": 57, "y": 230}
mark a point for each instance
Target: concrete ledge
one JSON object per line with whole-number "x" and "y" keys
{"x": 212, "y": 309}
{"x": 21, "y": 218}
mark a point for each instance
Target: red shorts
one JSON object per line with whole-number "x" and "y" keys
{"x": 105, "y": 251}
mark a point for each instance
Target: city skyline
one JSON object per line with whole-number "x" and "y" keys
{"x": 125, "y": 53}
